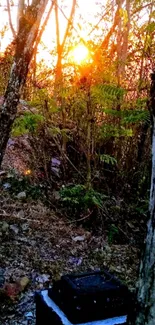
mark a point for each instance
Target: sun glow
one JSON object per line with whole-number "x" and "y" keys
{"x": 80, "y": 54}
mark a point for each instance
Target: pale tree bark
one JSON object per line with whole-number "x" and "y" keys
{"x": 59, "y": 73}
{"x": 145, "y": 302}
{"x": 104, "y": 45}
{"x": 27, "y": 34}
{"x": 38, "y": 41}
{"x": 10, "y": 19}
{"x": 21, "y": 6}
{"x": 144, "y": 51}
{"x": 122, "y": 39}
{"x": 119, "y": 42}
{"x": 125, "y": 39}
{"x": 60, "y": 46}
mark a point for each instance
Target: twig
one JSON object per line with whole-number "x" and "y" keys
{"x": 74, "y": 166}
{"x": 10, "y": 20}
{"x": 122, "y": 231}
{"x": 5, "y": 215}
{"x": 83, "y": 218}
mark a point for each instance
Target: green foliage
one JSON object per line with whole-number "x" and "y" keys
{"x": 54, "y": 131}
{"x": 136, "y": 116}
{"x": 20, "y": 184}
{"x": 108, "y": 91}
{"x": 108, "y": 159}
{"x": 106, "y": 95}
{"x": 78, "y": 199}
{"x": 142, "y": 206}
{"x": 5, "y": 65}
{"x": 43, "y": 101}
{"x": 112, "y": 232}
{"x": 109, "y": 130}
{"x": 28, "y": 123}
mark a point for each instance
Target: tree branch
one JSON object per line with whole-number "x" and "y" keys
{"x": 69, "y": 24}
{"x": 43, "y": 26}
{"x": 10, "y": 20}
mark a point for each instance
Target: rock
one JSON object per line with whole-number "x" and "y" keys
{"x": 3, "y": 173}
{"x": 75, "y": 260}
{"x": 6, "y": 186}
{"x": 21, "y": 214}
{"x": 15, "y": 229}
{"x": 56, "y": 171}
{"x": 56, "y": 195}
{"x": 21, "y": 195}
{"x": 43, "y": 278}
{"x": 78, "y": 238}
{"x": 11, "y": 290}
{"x": 25, "y": 226}
{"x": 55, "y": 166}
{"x": 11, "y": 143}
{"x": 23, "y": 282}
{"x": 4, "y": 226}
{"x": 55, "y": 162}
{"x": 28, "y": 315}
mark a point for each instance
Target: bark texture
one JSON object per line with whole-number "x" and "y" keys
{"x": 29, "y": 23}
{"x": 145, "y": 304}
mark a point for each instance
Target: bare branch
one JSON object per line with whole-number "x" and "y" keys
{"x": 20, "y": 12}
{"x": 43, "y": 26}
{"x": 69, "y": 22}
{"x": 10, "y": 20}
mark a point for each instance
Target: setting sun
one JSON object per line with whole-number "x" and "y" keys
{"x": 80, "y": 54}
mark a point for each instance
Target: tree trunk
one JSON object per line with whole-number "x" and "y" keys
{"x": 59, "y": 82}
{"x": 27, "y": 34}
{"x": 89, "y": 141}
{"x": 145, "y": 303}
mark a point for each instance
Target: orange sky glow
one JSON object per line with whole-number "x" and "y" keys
{"x": 87, "y": 13}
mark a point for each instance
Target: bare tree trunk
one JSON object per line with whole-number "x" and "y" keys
{"x": 124, "y": 49}
{"x": 89, "y": 139}
{"x": 10, "y": 20}
{"x": 119, "y": 42}
{"x": 59, "y": 70}
{"x": 145, "y": 304}
{"x": 28, "y": 30}
{"x": 144, "y": 51}
{"x": 21, "y": 6}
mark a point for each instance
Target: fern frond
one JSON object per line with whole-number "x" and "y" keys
{"x": 136, "y": 116}
{"x": 108, "y": 159}
{"x": 27, "y": 123}
{"x": 107, "y": 131}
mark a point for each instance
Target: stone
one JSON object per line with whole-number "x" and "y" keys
{"x": 78, "y": 238}
{"x": 15, "y": 229}
{"x": 21, "y": 195}
{"x": 28, "y": 315}
{"x": 23, "y": 282}
{"x": 4, "y": 226}
{"x": 6, "y": 186}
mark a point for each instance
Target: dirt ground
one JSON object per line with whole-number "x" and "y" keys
{"x": 38, "y": 245}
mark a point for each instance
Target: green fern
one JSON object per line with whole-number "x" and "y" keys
{"x": 78, "y": 198}
{"x": 110, "y": 93}
{"x": 108, "y": 159}
{"x": 28, "y": 123}
{"x": 109, "y": 130}
{"x": 136, "y": 116}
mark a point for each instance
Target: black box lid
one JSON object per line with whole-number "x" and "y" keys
{"x": 90, "y": 296}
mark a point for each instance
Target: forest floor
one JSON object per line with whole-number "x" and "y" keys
{"x": 40, "y": 246}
